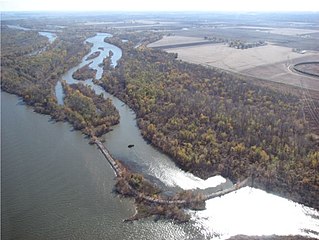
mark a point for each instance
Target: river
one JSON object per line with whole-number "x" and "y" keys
{"x": 56, "y": 186}
{"x": 143, "y": 156}
{"x": 50, "y": 35}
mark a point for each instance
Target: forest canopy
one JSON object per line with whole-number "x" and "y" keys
{"x": 33, "y": 75}
{"x": 212, "y": 122}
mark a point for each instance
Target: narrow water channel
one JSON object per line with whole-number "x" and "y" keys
{"x": 248, "y": 211}
{"x": 143, "y": 157}
{"x": 57, "y": 186}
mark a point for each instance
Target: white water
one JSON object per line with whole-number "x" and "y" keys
{"x": 156, "y": 163}
{"x": 187, "y": 181}
{"x": 247, "y": 211}
{"x": 251, "y": 211}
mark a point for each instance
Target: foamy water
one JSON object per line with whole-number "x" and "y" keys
{"x": 251, "y": 211}
{"x": 247, "y": 211}
{"x": 175, "y": 177}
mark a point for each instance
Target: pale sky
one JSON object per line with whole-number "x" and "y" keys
{"x": 159, "y": 5}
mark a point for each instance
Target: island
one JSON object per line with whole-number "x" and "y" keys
{"x": 84, "y": 73}
{"x": 93, "y": 55}
{"x": 251, "y": 126}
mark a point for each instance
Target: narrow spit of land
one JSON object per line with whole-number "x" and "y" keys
{"x": 143, "y": 197}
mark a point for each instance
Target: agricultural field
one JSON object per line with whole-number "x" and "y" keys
{"x": 168, "y": 41}
{"x": 280, "y": 31}
{"x": 270, "y": 62}
{"x": 308, "y": 68}
{"x": 292, "y": 31}
{"x": 287, "y": 43}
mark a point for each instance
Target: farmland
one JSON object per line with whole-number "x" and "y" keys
{"x": 270, "y": 62}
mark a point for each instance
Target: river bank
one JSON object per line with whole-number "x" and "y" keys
{"x": 54, "y": 185}
{"x": 211, "y": 122}
{"x": 151, "y": 201}
{"x": 84, "y": 73}
{"x": 150, "y": 162}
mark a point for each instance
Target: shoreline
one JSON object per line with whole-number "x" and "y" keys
{"x": 296, "y": 191}
{"x": 151, "y": 201}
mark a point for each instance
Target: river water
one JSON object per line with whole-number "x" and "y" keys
{"x": 51, "y": 36}
{"x": 56, "y": 186}
{"x": 142, "y": 157}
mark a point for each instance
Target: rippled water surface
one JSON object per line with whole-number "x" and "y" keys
{"x": 57, "y": 186}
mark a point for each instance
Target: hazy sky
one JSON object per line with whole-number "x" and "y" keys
{"x": 159, "y": 5}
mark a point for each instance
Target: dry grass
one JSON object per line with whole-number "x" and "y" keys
{"x": 281, "y": 72}
{"x": 268, "y": 62}
{"x": 175, "y": 40}
{"x": 220, "y": 55}
{"x": 281, "y": 31}
{"x": 292, "y": 31}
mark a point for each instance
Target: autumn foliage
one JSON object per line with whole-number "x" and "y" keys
{"x": 212, "y": 122}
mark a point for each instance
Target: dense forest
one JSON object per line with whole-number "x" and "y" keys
{"x": 212, "y": 122}
{"x": 33, "y": 77}
{"x": 33, "y": 74}
{"x": 209, "y": 121}
{"x": 86, "y": 111}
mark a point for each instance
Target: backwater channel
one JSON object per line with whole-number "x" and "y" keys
{"x": 57, "y": 186}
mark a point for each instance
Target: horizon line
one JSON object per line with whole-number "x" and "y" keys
{"x": 159, "y": 11}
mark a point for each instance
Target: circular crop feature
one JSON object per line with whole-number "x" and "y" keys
{"x": 308, "y": 68}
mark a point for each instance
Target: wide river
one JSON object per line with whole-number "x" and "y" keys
{"x": 57, "y": 186}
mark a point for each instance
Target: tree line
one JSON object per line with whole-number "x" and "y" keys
{"x": 34, "y": 77}
{"x": 213, "y": 122}
{"x": 86, "y": 111}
